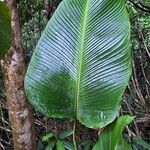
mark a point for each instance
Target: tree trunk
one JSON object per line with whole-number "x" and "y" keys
{"x": 20, "y": 111}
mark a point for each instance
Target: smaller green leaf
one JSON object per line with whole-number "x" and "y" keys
{"x": 47, "y": 137}
{"x": 65, "y": 134}
{"x": 51, "y": 145}
{"x": 60, "y": 145}
{"x": 111, "y": 138}
{"x": 68, "y": 145}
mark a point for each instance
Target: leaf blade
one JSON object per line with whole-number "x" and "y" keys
{"x": 82, "y": 63}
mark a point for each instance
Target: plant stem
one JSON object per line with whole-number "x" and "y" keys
{"x": 74, "y": 138}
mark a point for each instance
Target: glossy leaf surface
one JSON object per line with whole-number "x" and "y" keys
{"x": 82, "y": 62}
{"x": 5, "y": 29}
{"x": 111, "y": 138}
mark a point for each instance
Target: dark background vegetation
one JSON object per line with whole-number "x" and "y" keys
{"x": 34, "y": 15}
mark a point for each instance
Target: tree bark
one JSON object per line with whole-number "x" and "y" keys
{"x": 20, "y": 111}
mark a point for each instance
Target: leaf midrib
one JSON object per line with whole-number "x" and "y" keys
{"x": 81, "y": 50}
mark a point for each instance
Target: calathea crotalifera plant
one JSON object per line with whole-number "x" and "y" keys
{"x": 82, "y": 62}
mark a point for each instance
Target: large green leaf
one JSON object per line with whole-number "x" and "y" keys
{"x": 111, "y": 137}
{"x": 5, "y": 29}
{"x": 82, "y": 62}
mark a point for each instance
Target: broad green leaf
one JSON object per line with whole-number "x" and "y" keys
{"x": 82, "y": 62}
{"x": 65, "y": 134}
{"x": 111, "y": 138}
{"x": 5, "y": 29}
